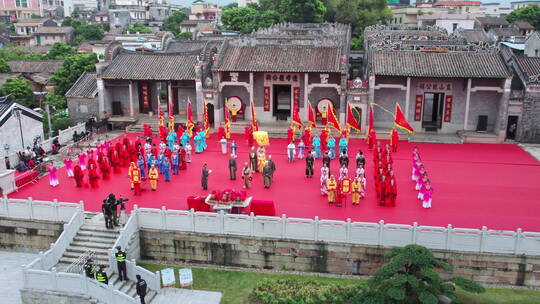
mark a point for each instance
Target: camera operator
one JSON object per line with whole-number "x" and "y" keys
{"x": 107, "y": 211}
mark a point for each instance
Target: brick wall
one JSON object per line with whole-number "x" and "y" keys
{"x": 529, "y": 126}
{"x": 170, "y": 247}
{"x": 28, "y": 236}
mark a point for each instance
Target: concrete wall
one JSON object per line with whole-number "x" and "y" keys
{"x": 81, "y": 109}
{"x": 28, "y": 236}
{"x": 29, "y": 296}
{"x": 170, "y": 247}
{"x": 532, "y": 46}
{"x": 529, "y": 124}
{"x": 10, "y": 133}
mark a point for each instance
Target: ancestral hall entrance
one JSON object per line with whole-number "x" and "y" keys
{"x": 282, "y": 101}
{"x": 433, "y": 111}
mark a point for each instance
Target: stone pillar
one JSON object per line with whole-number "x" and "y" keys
{"x": 467, "y": 104}
{"x": 200, "y": 99}
{"x": 170, "y": 96}
{"x": 502, "y": 116}
{"x": 251, "y": 93}
{"x": 342, "y": 106}
{"x": 131, "y": 98}
{"x": 408, "y": 97}
{"x": 306, "y": 99}
{"x": 371, "y": 96}
{"x": 101, "y": 98}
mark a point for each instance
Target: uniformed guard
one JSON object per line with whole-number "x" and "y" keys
{"x": 89, "y": 269}
{"x": 121, "y": 262}
{"x": 101, "y": 276}
{"x": 141, "y": 288}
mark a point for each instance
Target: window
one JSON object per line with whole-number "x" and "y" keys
{"x": 536, "y": 53}
{"x": 454, "y": 27}
{"x": 400, "y": 20}
{"x": 21, "y": 3}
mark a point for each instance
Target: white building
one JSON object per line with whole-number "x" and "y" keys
{"x": 450, "y": 22}
{"x": 519, "y": 4}
{"x": 244, "y": 3}
{"x": 19, "y": 126}
{"x": 491, "y": 9}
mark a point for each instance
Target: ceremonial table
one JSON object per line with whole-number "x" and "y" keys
{"x": 259, "y": 207}
{"x": 227, "y": 206}
{"x": 197, "y": 203}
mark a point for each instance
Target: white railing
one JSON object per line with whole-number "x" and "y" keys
{"x": 126, "y": 235}
{"x": 39, "y": 210}
{"x": 361, "y": 233}
{"x": 49, "y": 258}
{"x": 70, "y": 283}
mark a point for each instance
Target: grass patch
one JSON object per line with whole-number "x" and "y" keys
{"x": 501, "y": 296}
{"x": 237, "y": 285}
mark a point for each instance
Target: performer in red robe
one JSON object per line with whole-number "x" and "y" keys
{"x": 125, "y": 141}
{"x": 221, "y": 132}
{"x": 78, "y": 174}
{"x": 91, "y": 162}
{"x": 183, "y": 161}
{"x": 168, "y": 153}
{"x": 307, "y": 138}
{"x": 133, "y": 155}
{"x": 197, "y": 128}
{"x": 249, "y": 136}
{"x": 324, "y": 139}
{"x": 115, "y": 162}
{"x": 371, "y": 139}
{"x": 163, "y": 133}
{"x": 391, "y": 193}
{"x": 394, "y": 139}
{"x": 180, "y": 131}
{"x": 105, "y": 168}
{"x": 382, "y": 190}
{"x": 147, "y": 130}
{"x": 290, "y": 134}
{"x": 93, "y": 176}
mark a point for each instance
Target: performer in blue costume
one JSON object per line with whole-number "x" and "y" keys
{"x": 175, "y": 160}
{"x": 149, "y": 160}
{"x": 343, "y": 146}
{"x": 184, "y": 139}
{"x": 332, "y": 147}
{"x": 161, "y": 159}
{"x": 316, "y": 143}
{"x": 202, "y": 135}
{"x": 142, "y": 166}
{"x": 197, "y": 142}
{"x": 167, "y": 169}
{"x": 171, "y": 140}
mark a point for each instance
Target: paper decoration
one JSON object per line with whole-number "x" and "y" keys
{"x": 167, "y": 277}
{"x": 186, "y": 276}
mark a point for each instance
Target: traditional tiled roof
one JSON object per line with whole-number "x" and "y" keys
{"x": 185, "y": 46}
{"x": 151, "y": 66}
{"x": 85, "y": 86}
{"x": 5, "y": 103}
{"x": 280, "y": 58}
{"x": 35, "y": 66}
{"x": 452, "y": 64}
{"x": 524, "y": 25}
{"x": 457, "y": 3}
{"x": 506, "y": 32}
{"x": 476, "y": 35}
{"x": 529, "y": 65}
{"x": 51, "y": 30}
{"x": 492, "y": 21}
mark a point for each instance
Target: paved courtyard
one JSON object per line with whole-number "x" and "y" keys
{"x": 11, "y": 279}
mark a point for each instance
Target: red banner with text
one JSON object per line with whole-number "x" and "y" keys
{"x": 146, "y": 98}
{"x": 448, "y": 109}
{"x": 296, "y": 97}
{"x": 418, "y": 107}
{"x": 266, "y": 99}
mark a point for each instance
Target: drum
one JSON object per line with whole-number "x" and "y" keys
{"x": 261, "y": 137}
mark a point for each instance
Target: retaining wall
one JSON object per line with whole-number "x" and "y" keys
{"x": 28, "y": 235}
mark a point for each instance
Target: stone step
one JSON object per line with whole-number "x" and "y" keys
{"x": 100, "y": 240}
{"x": 69, "y": 260}
{"x": 83, "y": 249}
{"x": 86, "y": 244}
{"x": 91, "y": 233}
{"x": 100, "y": 228}
{"x": 76, "y": 254}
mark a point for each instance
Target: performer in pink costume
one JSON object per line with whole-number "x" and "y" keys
{"x": 69, "y": 166}
{"x": 428, "y": 195}
{"x": 82, "y": 161}
{"x": 90, "y": 154}
{"x": 324, "y": 178}
{"x": 53, "y": 179}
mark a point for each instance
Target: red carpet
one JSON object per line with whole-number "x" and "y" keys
{"x": 475, "y": 185}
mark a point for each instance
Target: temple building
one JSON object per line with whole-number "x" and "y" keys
{"x": 446, "y": 84}
{"x": 443, "y": 83}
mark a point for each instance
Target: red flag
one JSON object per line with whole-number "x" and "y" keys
{"x": 227, "y": 123}
{"x": 370, "y": 118}
{"x": 254, "y": 123}
{"x": 351, "y": 120}
{"x": 189, "y": 122}
{"x": 296, "y": 121}
{"x": 401, "y": 121}
{"x": 311, "y": 116}
{"x": 206, "y": 122}
{"x": 332, "y": 120}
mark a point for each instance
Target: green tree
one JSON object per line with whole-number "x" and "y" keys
{"x": 89, "y": 32}
{"x": 138, "y": 28}
{"x": 71, "y": 70}
{"x": 60, "y": 50}
{"x": 57, "y": 102}
{"x": 357, "y": 43}
{"x": 4, "y": 67}
{"x": 35, "y": 16}
{"x": 184, "y": 35}
{"x": 529, "y": 13}
{"x": 106, "y": 27}
{"x": 230, "y": 5}
{"x": 362, "y": 13}
{"x": 303, "y": 10}
{"x": 20, "y": 90}
{"x": 240, "y": 19}
{"x": 74, "y": 23}
{"x": 268, "y": 18}
{"x": 411, "y": 277}
{"x": 172, "y": 24}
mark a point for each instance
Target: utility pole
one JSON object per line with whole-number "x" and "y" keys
{"x": 47, "y": 109}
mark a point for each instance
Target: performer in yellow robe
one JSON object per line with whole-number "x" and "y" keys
{"x": 261, "y": 159}
{"x": 153, "y": 175}
{"x": 331, "y": 185}
{"x": 356, "y": 188}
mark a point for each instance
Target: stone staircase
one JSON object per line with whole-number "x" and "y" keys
{"x": 93, "y": 236}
